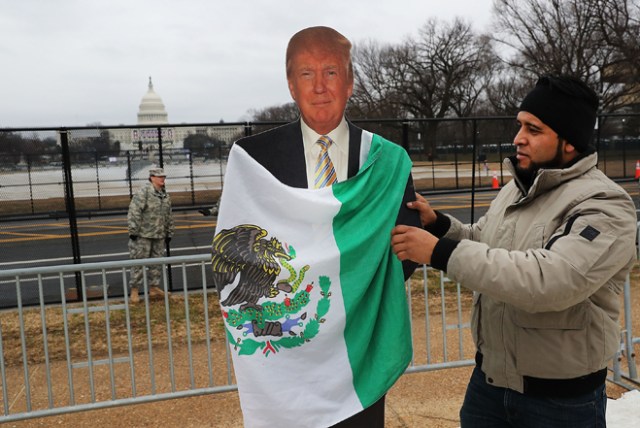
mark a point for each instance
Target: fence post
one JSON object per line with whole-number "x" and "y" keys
{"x": 624, "y": 157}
{"x": 129, "y": 174}
{"x": 191, "y": 183}
{"x": 455, "y": 164}
{"x": 70, "y": 205}
{"x": 98, "y": 179}
{"x": 500, "y": 158}
{"x": 628, "y": 331}
{"x": 33, "y": 209}
{"x": 160, "y": 157}
{"x": 474, "y": 150}
{"x": 405, "y": 136}
{"x": 167, "y": 245}
{"x": 220, "y": 164}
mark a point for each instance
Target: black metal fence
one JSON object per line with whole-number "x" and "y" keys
{"x": 54, "y": 172}
{"x": 93, "y": 170}
{"x": 55, "y": 182}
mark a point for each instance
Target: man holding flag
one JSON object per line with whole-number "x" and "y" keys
{"x": 312, "y": 296}
{"x": 547, "y": 263}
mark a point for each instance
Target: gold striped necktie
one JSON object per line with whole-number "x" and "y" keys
{"x": 325, "y": 173}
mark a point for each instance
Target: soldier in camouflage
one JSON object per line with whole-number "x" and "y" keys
{"x": 150, "y": 228}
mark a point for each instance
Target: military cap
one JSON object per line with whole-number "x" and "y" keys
{"x": 157, "y": 172}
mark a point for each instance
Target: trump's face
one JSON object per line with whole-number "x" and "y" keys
{"x": 320, "y": 84}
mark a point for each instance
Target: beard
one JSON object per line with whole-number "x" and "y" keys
{"x": 534, "y": 167}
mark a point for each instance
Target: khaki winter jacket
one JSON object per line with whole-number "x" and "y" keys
{"x": 547, "y": 268}
{"x": 150, "y": 214}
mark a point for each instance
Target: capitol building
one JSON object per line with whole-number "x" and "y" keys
{"x": 152, "y": 112}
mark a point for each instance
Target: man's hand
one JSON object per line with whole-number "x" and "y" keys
{"x": 427, "y": 214}
{"x": 412, "y": 243}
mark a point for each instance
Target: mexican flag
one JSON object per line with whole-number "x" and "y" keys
{"x": 312, "y": 296}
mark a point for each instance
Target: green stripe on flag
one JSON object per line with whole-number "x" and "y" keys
{"x": 377, "y": 331}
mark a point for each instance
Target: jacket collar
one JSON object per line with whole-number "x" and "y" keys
{"x": 547, "y": 179}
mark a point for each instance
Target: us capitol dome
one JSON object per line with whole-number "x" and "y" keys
{"x": 151, "y": 110}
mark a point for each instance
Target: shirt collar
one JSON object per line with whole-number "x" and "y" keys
{"x": 340, "y": 136}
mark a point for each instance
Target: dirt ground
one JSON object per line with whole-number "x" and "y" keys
{"x": 417, "y": 400}
{"x": 429, "y": 399}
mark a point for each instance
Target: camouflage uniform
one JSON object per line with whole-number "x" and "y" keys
{"x": 149, "y": 219}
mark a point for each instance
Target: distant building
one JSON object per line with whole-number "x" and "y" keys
{"x": 152, "y": 112}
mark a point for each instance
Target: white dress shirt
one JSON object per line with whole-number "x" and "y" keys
{"x": 338, "y": 151}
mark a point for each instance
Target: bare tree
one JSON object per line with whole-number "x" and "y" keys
{"x": 505, "y": 93}
{"x": 471, "y": 93}
{"x": 285, "y": 112}
{"x": 619, "y": 24}
{"x": 549, "y": 35}
{"x": 377, "y": 90}
{"x": 445, "y": 60}
{"x": 441, "y": 73}
{"x": 567, "y": 37}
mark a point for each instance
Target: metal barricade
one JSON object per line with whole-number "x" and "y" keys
{"x": 105, "y": 352}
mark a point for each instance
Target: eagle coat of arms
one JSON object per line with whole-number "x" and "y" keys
{"x": 269, "y": 313}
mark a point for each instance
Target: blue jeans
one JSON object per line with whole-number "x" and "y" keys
{"x": 489, "y": 406}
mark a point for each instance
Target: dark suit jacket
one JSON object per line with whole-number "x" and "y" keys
{"x": 281, "y": 151}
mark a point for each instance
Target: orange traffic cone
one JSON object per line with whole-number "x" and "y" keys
{"x": 637, "y": 169}
{"x": 494, "y": 181}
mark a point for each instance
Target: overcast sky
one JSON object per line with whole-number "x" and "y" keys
{"x": 76, "y": 62}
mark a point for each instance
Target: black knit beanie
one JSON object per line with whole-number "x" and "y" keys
{"x": 567, "y": 105}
